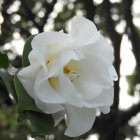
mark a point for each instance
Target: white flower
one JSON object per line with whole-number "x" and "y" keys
{"x": 71, "y": 75}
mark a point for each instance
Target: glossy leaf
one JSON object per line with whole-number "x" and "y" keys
{"x": 4, "y": 61}
{"x": 26, "y": 51}
{"x": 8, "y": 80}
{"x": 42, "y": 124}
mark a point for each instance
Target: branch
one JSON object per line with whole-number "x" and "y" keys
{"x": 90, "y": 8}
{"x": 132, "y": 33}
{"x": 127, "y": 115}
{"x": 116, "y": 39}
{"x": 49, "y": 9}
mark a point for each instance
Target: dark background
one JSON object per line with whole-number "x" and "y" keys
{"x": 113, "y": 126}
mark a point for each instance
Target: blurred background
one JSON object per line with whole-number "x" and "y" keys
{"x": 118, "y": 21}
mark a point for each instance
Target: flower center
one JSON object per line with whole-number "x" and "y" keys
{"x": 66, "y": 70}
{"x": 54, "y": 82}
{"x": 50, "y": 58}
{"x": 73, "y": 75}
{"x": 71, "y": 72}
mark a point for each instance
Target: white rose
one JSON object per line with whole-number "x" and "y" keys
{"x": 71, "y": 75}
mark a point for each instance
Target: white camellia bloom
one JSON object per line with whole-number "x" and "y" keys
{"x": 71, "y": 75}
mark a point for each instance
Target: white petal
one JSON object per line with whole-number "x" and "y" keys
{"x": 79, "y": 120}
{"x": 88, "y": 89}
{"x": 113, "y": 73}
{"x": 32, "y": 57}
{"x": 83, "y": 31}
{"x": 58, "y": 63}
{"x": 45, "y": 92}
{"x": 68, "y": 91}
{"x": 48, "y": 108}
{"x": 94, "y": 68}
{"x": 104, "y": 99}
{"x": 100, "y": 48}
{"x": 27, "y": 77}
{"x": 94, "y": 76}
{"x": 58, "y": 117}
{"x": 47, "y": 44}
{"x": 104, "y": 109}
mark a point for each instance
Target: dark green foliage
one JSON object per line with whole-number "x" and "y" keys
{"x": 41, "y": 123}
{"x": 8, "y": 80}
{"x": 4, "y": 61}
{"x": 26, "y": 51}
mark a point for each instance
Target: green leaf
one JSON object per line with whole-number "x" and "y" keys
{"x": 42, "y": 124}
{"x": 25, "y": 102}
{"x": 4, "y": 61}
{"x": 26, "y": 51}
{"x": 8, "y": 80}
{"x": 22, "y": 116}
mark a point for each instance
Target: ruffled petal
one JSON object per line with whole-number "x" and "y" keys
{"x": 58, "y": 63}
{"x": 27, "y": 77}
{"x": 104, "y": 99}
{"x": 47, "y": 45}
{"x": 83, "y": 31}
{"x": 94, "y": 76}
{"x": 104, "y": 109}
{"x": 45, "y": 92}
{"x": 79, "y": 120}
{"x": 88, "y": 89}
{"x": 100, "y": 48}
{"x": 32, "y": 57}
{"x": 48, "y": 108}
{"x": 69, "y": 92}
{"x": 113, "y": 73}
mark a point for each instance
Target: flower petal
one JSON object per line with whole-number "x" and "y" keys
{"x": 104, "y": 109}
{"x": 94, "y": 76}
{"x": 100, "y": 48}
{"x": 69, "y": 92}
{"x": 45, "y": 92}
{"x": 104, "y": 99}
{"x": 48, "y": 108}
{"x": 79, "y": 120}
{"x": 47, "y": 44}
{"x": 27, "y": 77}
{"x": 88, "y": 89}
{"x": 32, "y": 57}
{"x": 113, "y": 73}
{"x": 58, "y": 63}
{"x": 83, "y": 31}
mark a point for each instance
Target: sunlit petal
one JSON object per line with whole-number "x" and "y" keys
{"x": 83, "y": 31}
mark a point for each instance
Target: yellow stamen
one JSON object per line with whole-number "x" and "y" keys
{"x": 54, "y": 82}
{"x": 66, "y": 70}
{"x": 49, "y": 59}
